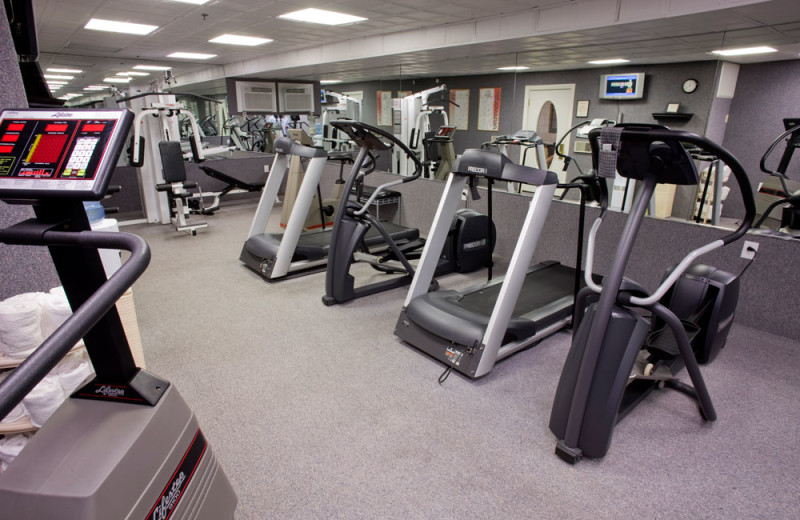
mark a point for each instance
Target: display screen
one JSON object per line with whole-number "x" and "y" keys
{"x": 446, "y": 131}
{"x": 51, "y": 151}
{"x": 622, "y": 86}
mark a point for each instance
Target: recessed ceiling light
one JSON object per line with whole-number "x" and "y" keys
{"x": 151, "y": 67}
{"x": 329, "y": 81}
{"x": 97, "y": 24}
{"x": 612, "y": 61}
{"x": 64, "y": 71}
{"x": 95, "y": 88}
{"x": 70, "y": 96}
{"x": 133, "y": 73}
{"x": 54, "y": 76}
{"x": 116, "y": 80}
{"x": 514, "y": 67}
{"x": 744, "y": 51}
{"x": 56, "y": 82}
{"x": 54, "y": 87}
{"x": 233, "y": 39}
{"x": 191, "y": 56}
{"x": 322, "y": 16}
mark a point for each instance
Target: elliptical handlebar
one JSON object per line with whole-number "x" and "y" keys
{"x": 652, "y": 135}
{"x": 370, "y": 138}
{"x": 763, "y": 163}
{"x": 22, "y": 380}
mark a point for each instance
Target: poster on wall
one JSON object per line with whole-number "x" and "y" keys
{"x": 459, "y": 108}
{"x": 384, "y": 108}
{"x": 489, "y": 109}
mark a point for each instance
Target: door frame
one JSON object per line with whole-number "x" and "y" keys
{"x": 569, "y": 111}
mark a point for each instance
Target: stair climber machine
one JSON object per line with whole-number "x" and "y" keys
{"x": 298, "y": 251}
{"x": 468, "y": 246}
{"x": 125, "y": 444}
{"x": 470, "y": 330}
{"x": 618, "y": 354}
{"x": 771, "y": 194}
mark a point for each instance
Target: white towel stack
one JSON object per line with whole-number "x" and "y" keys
{"x": 10, "y": 447}
{"x": 20, "y": 325}
{"x": 44, "y": 399}
{"x": 55, "y": 310}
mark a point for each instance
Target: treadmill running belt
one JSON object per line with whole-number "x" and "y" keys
{"x": 540, "y": 288}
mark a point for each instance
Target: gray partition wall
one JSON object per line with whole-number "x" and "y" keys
{"x": 768, "y": 287}
{"x": 23, "y": 268}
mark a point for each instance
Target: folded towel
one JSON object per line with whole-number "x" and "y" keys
{"x": 73, "y": 370}
{"x": 44, "y": 399}
{"x": 11, "y": 446}
{"x": 55, "y": 310}
{"x": 20, "y": 325}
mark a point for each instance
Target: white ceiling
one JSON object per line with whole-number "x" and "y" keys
{"x": 406, "y": 38}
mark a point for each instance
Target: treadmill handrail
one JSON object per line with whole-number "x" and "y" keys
{"x": 25, "y": 377}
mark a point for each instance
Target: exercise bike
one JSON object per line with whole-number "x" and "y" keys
{"x": 618, "y": 356}
{"x": 125, "y": 444}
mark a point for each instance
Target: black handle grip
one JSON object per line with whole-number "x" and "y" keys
{"x": 371, "y": 138}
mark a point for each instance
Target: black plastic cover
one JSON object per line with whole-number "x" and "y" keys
{"x": 283, "y": 145}
{"x": 497, "y": 166}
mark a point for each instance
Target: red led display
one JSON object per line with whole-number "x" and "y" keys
{"x": 49, "y": 148}
{"x": 16, "y": 127}
{"x": 56, "y": 128}
{"x": 96, "y": 127}
{"x": 6, "y": 148}
{"x": 10, "y": 138}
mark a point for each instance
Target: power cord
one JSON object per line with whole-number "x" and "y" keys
{"x": 446, "y": 373}
{"x": 755, "y": 253}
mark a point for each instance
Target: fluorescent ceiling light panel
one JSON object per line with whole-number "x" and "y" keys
{"x": 321, "y": 16}
{"x": 116, "y": 80}
{"x": 233, "y": 39}
{"x": 744, "y": 51}
{"x": 133, "y": 73}
{"x": 56, "y": 82}
{"x": 151, "y": 67}
{"x": 64, "y": 71}
{"x": 612, "y": 61}
{"x": 95, "y": 89}
{"x": 53, "y": 76}
{"x": 97, "y": 24}
{"x": 70, "y": 96}
{"x": 329, "y": 81}
{"x": 514, "y": 67}
{"x": 191, "y": 56}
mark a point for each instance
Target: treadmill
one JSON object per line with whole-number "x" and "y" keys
{"x": 471, "y": 330}
{"x": 294, "y": 252}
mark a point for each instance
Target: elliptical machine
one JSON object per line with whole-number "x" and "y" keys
{"x": 468, "y": 248}
{"x": 125, "y": 444}
{"x": 692, "y": 309}
{"x": 790, "y": 201}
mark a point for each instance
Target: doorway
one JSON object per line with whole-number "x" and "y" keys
{"x": 549, "y": 110}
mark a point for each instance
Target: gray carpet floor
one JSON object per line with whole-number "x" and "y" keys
{"x": 320, "y": 412}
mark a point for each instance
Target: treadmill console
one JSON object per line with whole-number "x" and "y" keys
{"x": 65, "y": 153}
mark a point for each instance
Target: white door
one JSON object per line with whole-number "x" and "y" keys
{"x": 548, "y": 110}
